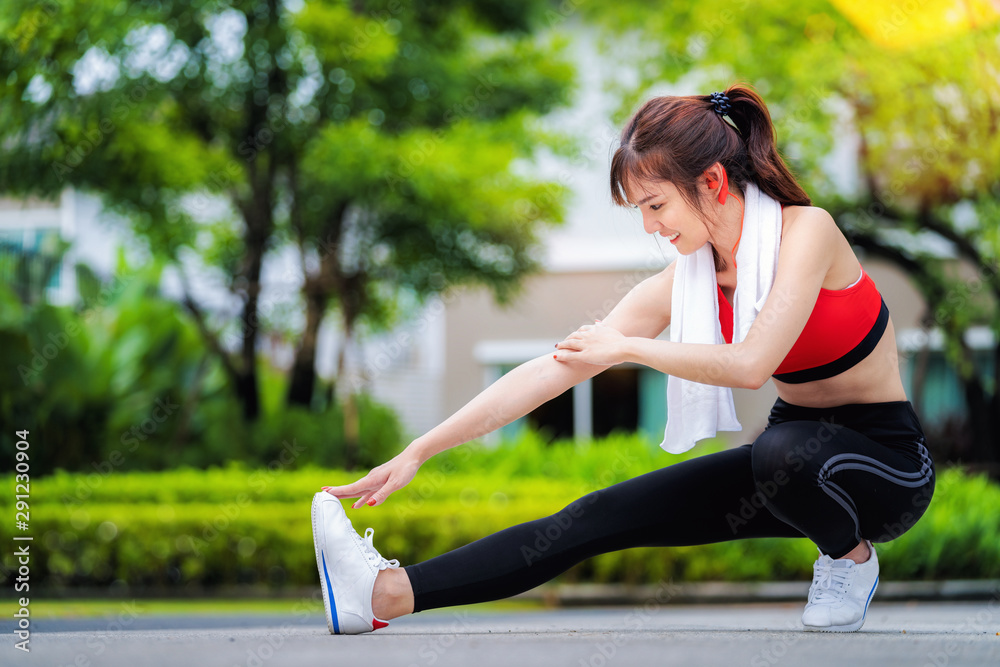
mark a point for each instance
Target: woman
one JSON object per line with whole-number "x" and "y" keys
{"x": 841, "y": 462}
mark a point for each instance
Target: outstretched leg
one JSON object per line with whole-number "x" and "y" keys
{"x": 712, "y": 498}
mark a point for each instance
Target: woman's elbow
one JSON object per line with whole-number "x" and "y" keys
{"x": 754, "y": 373}
{"x": 754, "y": 381}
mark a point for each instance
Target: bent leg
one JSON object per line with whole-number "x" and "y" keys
{"x": 838, "y": 486}
{"x": 708, "y": 499}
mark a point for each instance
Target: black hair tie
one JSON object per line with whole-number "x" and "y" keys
{"x": 721, "y": 103}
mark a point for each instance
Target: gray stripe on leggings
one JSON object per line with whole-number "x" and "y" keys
{"x": 920, "y": 476}
{"x": 842, "y": 498}
{"x": 834, "y": 464}
{"x": 873, "y": 466}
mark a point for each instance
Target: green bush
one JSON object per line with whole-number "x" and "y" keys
{"x": 233, "y": 525}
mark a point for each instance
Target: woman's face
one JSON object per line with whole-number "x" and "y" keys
{"x": 667, "y": 213}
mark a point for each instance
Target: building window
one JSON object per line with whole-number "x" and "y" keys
{"x": 31, "y": 261}
{"x": 931, "y": 381}
{"x": 624, "y": 398}
{"x": 935, "y": 388}
{"x": 553, "y": 419}
{"x": 615, "y": 401}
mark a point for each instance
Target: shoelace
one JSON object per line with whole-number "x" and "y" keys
{"x": 829, "y": 583}
{"x": 372, "y": 554}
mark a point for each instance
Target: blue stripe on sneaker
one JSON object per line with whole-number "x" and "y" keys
{"x": 329, "y": 595}
{"x": 870, "y": 594}
{"x": 874, "y": 586}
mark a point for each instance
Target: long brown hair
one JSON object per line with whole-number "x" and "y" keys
{"x": 676, "y": 138}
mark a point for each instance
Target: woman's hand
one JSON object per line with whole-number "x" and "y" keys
{"x": 597, "y": 344}
{"x": 375, "y": 487}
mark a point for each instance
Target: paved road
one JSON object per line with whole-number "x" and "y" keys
{"x": 917, "y": 634}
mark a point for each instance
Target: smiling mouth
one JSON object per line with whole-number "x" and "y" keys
{"x": 672, "y": 237}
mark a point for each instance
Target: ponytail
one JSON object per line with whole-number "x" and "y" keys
{"x": 767, "y": 168}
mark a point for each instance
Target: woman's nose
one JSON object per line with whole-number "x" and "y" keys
{"x": 650, "y": 224}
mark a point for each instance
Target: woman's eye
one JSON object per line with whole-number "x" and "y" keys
{"x": 655, "y": 207}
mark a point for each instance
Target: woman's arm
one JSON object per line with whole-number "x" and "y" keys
{"x": 643, "y": 312}
{"x": 803, "y": 262}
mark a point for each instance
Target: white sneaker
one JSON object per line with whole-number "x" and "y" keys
{"x": 840, "y": 593}
{"x": 348, "y": 565}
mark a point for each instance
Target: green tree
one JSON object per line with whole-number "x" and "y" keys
{"x": 925, "y": 108}
{"x": 377, "y": 138}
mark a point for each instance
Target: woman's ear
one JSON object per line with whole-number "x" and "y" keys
{"x": 713, "y": 181}
{"x": 714, "y": 175}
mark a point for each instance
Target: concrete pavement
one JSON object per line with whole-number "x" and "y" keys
{"x": 758, "y": 635}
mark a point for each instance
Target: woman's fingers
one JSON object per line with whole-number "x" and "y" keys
{"x": 380, "y": 495}
{"x": 352, "y": 490}
{"x": 346, "y": 491}
{"x": 363, "y": 490}
{"x": 378, "y": 484}
{"x": 372, "y": 496}
{"x": 337, "y": 492}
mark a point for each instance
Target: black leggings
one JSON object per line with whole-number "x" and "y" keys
{"x": 835, "y": 475}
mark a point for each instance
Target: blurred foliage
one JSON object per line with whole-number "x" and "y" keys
{"x": 917, "y": 119}
{"x": 384, "y": 144}
{"x": 190, "y": 529}
{"x": 125, "y": 382}
{"x": 926, "y": 114}
{"x": 375, "y": 140}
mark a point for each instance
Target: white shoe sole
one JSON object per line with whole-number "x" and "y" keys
{"x": 851, "y": 627}
{"x": 319, "y": 538}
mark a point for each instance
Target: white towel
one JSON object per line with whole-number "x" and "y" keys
{"x": 694, "y": 410}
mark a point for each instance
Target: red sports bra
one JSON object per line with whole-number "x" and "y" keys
{"x": 843, "y": 328}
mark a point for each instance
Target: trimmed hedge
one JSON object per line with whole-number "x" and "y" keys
{"x": 192, "y": 528}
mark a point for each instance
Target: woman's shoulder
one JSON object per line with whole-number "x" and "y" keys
{"x": 807, "y": 221}
{"x": 812, "y": 231}
{"x": 791, "y": 213}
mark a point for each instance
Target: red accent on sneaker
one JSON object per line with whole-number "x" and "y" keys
{"x": 378, "y": 624}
